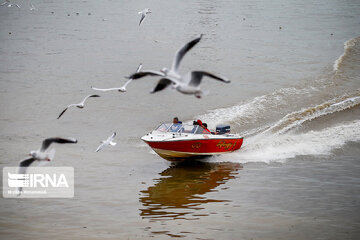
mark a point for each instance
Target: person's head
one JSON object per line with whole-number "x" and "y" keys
{"x": 175, "y": 120}
{"x": 205, "y": 125}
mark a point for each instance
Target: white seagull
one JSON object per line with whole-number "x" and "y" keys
{"x": 143, "y": 14}
{"x": 32, "y": 7}
{"x": 42, "y": 154}
{"x": 79, "y": 105}
{"x": 9, "y": 4}
{"x": 186, "y": 84}
{"x": 120, "y": 89}
{"x": 108, "y": 141}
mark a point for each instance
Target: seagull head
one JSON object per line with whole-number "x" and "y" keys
{"x": 122, "y": 89}
{"x": 32, "y": 154}
{"x": 164, "y": 70}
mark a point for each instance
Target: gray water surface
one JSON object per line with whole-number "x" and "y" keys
{"x": 297, "y": 174}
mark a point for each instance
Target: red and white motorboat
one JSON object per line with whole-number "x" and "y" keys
{"x": 177, "y": 142}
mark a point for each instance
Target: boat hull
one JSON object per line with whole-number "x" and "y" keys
{"x": 178, "y": 150}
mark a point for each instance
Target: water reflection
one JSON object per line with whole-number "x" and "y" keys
{"x": 179, "y": 192}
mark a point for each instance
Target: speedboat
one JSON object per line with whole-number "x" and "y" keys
{"x": 177, "y": 141}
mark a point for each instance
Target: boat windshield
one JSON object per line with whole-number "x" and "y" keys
{"x": 163, "y": 127}
{"x": 181, "y": 128}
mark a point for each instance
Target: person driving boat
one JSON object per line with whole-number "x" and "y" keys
{"x": 203, "y": 128}
{"x": 176, "y": 125}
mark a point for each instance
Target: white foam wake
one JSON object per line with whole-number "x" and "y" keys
{"x": 267, "y": 148}
{"x": 347, "y": 47}
{"x": 252, "y": 110}
{"x": 296, "y": 119}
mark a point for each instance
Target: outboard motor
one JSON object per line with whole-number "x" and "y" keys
{"x": 222, "y": 129}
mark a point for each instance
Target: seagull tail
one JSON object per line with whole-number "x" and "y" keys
{"x": 206, "y": 93}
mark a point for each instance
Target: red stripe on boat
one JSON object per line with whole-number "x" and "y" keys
{"x": 199, "y": 146}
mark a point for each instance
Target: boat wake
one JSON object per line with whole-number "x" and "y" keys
{"x": 267, "y": 148}
{"x": 349, "y": 48}
{"x": 289, "y": 137}
{"x": 314, "y": 119}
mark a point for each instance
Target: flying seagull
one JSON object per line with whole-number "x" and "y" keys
{"x": 108, "y": 141}
{"x": 42, "y": 154}
{"x": 79, "y": 105}
{"x": 143, "y": 14}
{"x": 186, "y": 84}
{"x": 6, "y": 2}
{"x": 32, "y": 7}
{"x": 120, "y": 89}
{"x": 9, "y": 4}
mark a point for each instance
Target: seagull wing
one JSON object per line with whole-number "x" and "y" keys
{"x": 26, "y": 162}
{"x": 105, "y": 89}
{"x": 100, "y": 147}
{"x": 146, "y": 73}
{"x": 112, "y": 137}
{"x": 196, "y": 76}
{"x": 47, "y": 142}
{"x": 71, "y": 105}
{"x": 23, "y": 165}
{"x": 89, "y": 96}
{"x": 182, "y": 51}
{"x": 142, "y": 17}
{"x": 62, "y": 112}
{"x": 139, "y": 67}
{"x": 123, "y": 88}
{"x": 162, "y": 84}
